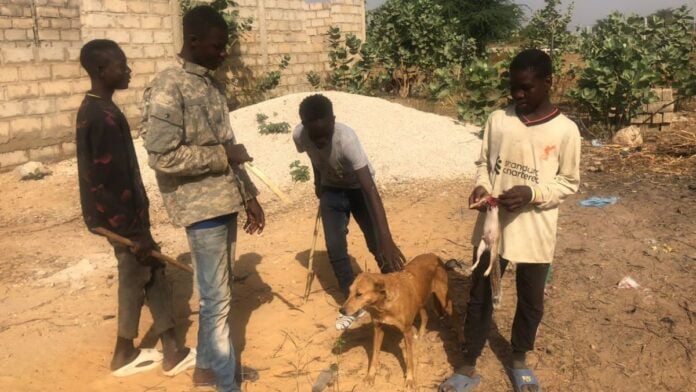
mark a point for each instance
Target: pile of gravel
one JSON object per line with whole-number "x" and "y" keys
{"x": 403, "y": 144}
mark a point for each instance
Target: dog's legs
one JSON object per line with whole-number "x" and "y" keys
{"x": 376, "y": 348}
{"x": 423, "y": 322}
{"x": 410, "y": 366}
{"x": 479, "y": 252}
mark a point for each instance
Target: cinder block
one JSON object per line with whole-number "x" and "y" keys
{"x": 8, "y": 74}
{"x": 141, "y": 67}
{"x": 151, "y": 22}
{"x": 4, "y": 132}
{"x": 138, "y": 6}
{"x": 81, "y": 86}
{"x": 11, "y": 109}
{"x": 55, "y": 124}
{"x": 49, "y": 34}
{"x": 14, "y": 158}
{"x": 73, "y": 54}
{"x": 667, "y": 117}
{"x": 25, "y": 127}
{"x": 153, "y": 51}
{"x": 70, "y": 35}
{"x": 22, "y": 23}
{"x": 71, "y": 103}
{"x": 98, "y": 20}
{"x": 23, "y": 90}
{"x": 69, "y": 12}
{"x": 62, "y": 71}
{"x": 47, "y": 12}
{"x": 58, "y": 87}
{"x": 118, "y": 6}
{"x": 160, "y": 9}
{"x": 129, "y": 21}
{"x": 40, "y": 106}
{"x": 60, "y": 23}
{"x": 51, "y": 54}
{"x": 119, "y": 36}
{"x": 47, "y": 153}
{"x": 141, "y": 37}
{"x": 162, "y": 37}
{"x": 12, "y": 10}
{"x": 35, "y": 72}
{"x": 17, "y": 55}
{"x": 68, "y": 149}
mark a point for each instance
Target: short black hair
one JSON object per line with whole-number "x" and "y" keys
{"x": 535, "y": 60}
{"x": 200, "y": 20}
{"x": 316, "y": 107}
{"x": 94, "y": 54}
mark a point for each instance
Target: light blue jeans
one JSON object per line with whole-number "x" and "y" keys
{"x": 212, "y": 251}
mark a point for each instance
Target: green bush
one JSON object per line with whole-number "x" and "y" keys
{"x": 548, "y": 30}
{"x": 485, "y": 89}
{"x": 298, "y": 172}
{"x": 410, "y": 39}
{"x": 619, "y": 73}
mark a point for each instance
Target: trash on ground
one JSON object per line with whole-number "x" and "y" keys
{"x": 628, "y": 283}
{"x": 598, "y": 201}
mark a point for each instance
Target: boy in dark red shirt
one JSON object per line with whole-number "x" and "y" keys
{"x": 113, "y": 197}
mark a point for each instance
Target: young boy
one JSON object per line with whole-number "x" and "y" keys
{"x": 530, "y": 161}
{"x": 113, "y": 197}
{"x": 344, "y": 185}
{"x": 200, "y": 173}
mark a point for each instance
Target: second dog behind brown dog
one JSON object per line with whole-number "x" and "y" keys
{"x": 395, "y": 299}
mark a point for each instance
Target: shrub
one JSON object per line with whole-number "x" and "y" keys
{"x": 298, "y": 172}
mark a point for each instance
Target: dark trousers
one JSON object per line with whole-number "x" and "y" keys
{"x": 337, "y": 204}
{"x": 530, "y": 280}
{"x": 136, "y": 283}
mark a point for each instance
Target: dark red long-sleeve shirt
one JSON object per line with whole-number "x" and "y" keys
{"x": 111, "y": 189}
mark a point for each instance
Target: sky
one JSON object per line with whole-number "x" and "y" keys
{"x": 588, "y": 11}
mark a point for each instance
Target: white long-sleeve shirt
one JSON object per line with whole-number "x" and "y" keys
{"x": 544, "y": 155}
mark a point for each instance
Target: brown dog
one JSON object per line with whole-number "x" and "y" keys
{"x": 395, "y": 299}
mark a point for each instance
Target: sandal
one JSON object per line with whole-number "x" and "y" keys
{"x": 344, "y": 322}
{"x": 459, "y": 383}
{"x": 522, "y": 378}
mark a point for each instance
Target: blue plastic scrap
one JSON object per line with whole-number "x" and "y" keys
{"x": 598, "y": 201}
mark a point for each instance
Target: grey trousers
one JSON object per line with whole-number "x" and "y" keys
{"x": 138, "y": 282}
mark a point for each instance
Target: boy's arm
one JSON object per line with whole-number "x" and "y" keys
{"x": 567, "y": 180}
{"x": 317, "y": 181}
{"x": 164, "y": 137}
{"x": 387, "y": 248}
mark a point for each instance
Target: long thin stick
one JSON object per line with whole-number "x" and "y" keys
{"x": 310, "y": 263}
{"x": 126, "y": 242}
{"x": 263, "y": 177}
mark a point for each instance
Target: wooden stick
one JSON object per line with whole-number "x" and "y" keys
{"x": 126, "y": 242}
{"x": 310, "y": 263}
{"x": 263, "y": 177}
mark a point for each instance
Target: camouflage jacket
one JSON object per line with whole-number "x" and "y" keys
{"x": 185, "y": 124}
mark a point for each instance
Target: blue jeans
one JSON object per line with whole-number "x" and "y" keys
{"x": 212, "y": 251}
{"x": 337, "y": 204}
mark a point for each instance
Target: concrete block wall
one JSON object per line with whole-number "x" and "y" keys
{"x": 42, "y": 83}
{"x": 662, "y": 110}
{"x": 298, "y": 29}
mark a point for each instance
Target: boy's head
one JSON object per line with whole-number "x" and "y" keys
{"x": 316, "y": 112}
{"x": 106, "y": 64}
{"x": 205, "y": 36}
{"x": 530, "y": 79}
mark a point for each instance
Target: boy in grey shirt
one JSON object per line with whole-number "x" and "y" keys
{"x": 344, "y": 185}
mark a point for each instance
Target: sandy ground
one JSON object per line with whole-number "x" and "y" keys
{"x": 58, "y": 292}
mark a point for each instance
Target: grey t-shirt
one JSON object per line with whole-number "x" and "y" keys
{"x": 338, "y": 160}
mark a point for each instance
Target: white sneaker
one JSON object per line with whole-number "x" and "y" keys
{"x": 344, "y": 322}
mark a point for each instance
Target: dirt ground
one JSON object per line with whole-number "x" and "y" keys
{"x": 58, "y": 291}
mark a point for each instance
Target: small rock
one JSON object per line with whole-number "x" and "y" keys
{"x": 33, "y": 171}
{"x": 628, "y": 137}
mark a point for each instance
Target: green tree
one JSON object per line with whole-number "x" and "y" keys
{"x": 485, "y": 21}
{"x": 412, "y": 38}
{"x": 548, "y": 30}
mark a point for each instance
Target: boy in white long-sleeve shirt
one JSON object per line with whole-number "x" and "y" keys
{"x": 530, "y": 159}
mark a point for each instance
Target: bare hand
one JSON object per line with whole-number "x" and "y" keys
{"x": 391, "y": 254}
{"x": 142, "y": 246}
{"x": 256, "y": 219}
{"x": 516, "y": 197}
{"x": 237, "y": 154}
{"x": 476, "y": 195}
